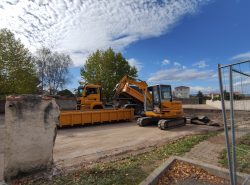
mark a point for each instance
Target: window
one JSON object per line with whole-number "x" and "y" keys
{"x": 91, "y": 91}
{"x": 166, "y": 93}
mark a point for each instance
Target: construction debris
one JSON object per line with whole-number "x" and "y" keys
{"x": 203, "y": 120}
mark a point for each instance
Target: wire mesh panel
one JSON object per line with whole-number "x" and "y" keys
{"x": 235, "y": 97}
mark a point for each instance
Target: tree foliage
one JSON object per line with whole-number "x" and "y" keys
{"x": 106, "y": 68}
{"x": 53, "y": 69}
{"x": 66, "y": 93}
{"x": 17, "y": 70}
{"x": 200, "y": 94}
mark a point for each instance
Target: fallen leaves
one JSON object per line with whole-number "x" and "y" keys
{"x": 181, "y": 171}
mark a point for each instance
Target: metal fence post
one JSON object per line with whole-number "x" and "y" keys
{"x": 225, "y": 125}
{"x": 232, "y": 124}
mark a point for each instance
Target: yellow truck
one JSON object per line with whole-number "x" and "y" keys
{"x": 90, "y": 109}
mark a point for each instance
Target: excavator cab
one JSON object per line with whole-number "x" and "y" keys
{"x": 160, "y": 108}
{"x": 160, "y": 94}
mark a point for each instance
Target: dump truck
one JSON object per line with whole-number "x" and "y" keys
{"x": 91, "y": 110}
{"x": 129, "y": 93}
{"x": 89, "y": 97}
{"x": 160, "y": 108}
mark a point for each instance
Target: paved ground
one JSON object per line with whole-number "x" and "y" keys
{"x": 209, "y": 151}
{"x": 85, "y": 144}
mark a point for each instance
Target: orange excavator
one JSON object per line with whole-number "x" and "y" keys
{"x": 155, "y": 103}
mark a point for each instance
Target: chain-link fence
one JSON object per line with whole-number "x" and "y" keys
{"x": 235, "y": 98}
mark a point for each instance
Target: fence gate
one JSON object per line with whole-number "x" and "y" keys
{"x": 234, "y": 82}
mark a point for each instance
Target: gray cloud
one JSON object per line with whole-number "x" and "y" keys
{"x": 88, "y": 25}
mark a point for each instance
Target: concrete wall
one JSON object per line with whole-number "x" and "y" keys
{"x": 30, "y": 131}
{"x": 238, "y": 104}
{"x": 2, "y": 106}
{"x": 187, "y": 100}
{"x": 2, "y": 131}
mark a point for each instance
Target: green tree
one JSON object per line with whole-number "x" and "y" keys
{"x": 106, "y": 68}
{"x": 17, "y": 70}
{"x": 226, "y": 95}
{"x": 65, "y": 92}
{"x": 53, "y": 69}
{"x": 200, "y": 96}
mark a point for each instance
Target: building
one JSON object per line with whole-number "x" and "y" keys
{"x": 182, "y": 92}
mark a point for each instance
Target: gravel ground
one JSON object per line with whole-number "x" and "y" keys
{"x": 88, "y": 144}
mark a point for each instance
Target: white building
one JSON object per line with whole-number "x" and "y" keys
{"x": 182, "y": 92}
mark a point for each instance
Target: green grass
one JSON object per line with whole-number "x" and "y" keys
{"x": 130, "y": 170}
{"x": 242, "y": 155}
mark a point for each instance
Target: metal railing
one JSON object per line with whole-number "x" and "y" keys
{"x": 234, "y": 80}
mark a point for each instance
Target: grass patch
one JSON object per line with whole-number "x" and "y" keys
{"x": 242, "y": 155}
{"x": 130, "y": 170}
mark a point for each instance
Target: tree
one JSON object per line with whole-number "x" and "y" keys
{"x": 226, "y": 95}
{"x": 65, "y": 92}
{"x": 106, "y": 68}
{"x": 17, "y": 70}
{"x": 53, "y": 69}
{"x": 200, "y": 96}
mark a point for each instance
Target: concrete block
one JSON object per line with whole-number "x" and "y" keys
{"x": 30, "y": 132}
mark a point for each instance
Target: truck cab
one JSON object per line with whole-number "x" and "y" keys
{"x": 89, "y": 97}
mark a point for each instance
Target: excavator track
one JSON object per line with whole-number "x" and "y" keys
{"x": 144, "y": 121}
{"x": 165, "y": 124}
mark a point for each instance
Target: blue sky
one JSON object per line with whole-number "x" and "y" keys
{"x": 177, "y": 42}
{"x": 215, "y": 34}
{"x": 219, "y": 31}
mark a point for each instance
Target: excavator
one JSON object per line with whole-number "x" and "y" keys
{"x": 160, "y": 108}
{"x": 155, "y": 101}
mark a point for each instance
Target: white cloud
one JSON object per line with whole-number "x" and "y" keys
{"x": 134, "y": 63}
{"x": 180, "y": 74}
{"x": 82, "y": 26}
{"x": 195, "y": 89}
{"x": 177, "y": 64}
{"x": 201, "y": 64}
{"x": 165, "y": 62}
{"x": 242, "y": 56}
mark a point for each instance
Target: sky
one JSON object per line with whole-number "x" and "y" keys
{"x": 176, "y": 42}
